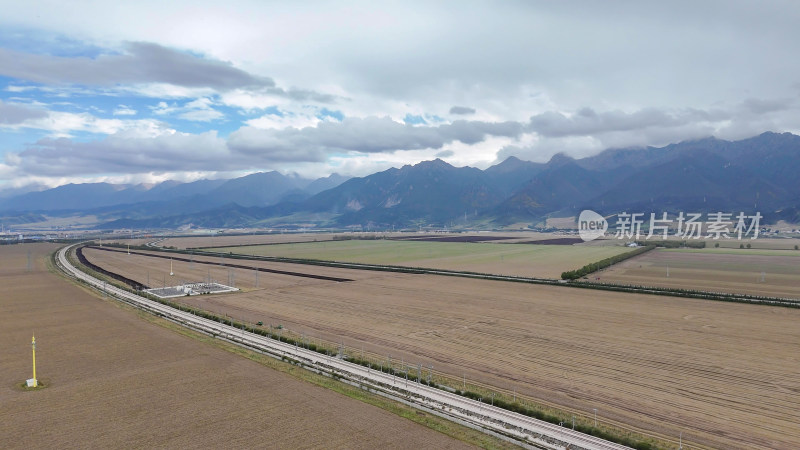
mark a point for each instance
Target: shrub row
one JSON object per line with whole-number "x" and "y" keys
{"x": 132, "y": 283}
{"x": 603, "y": 263}
{"x": 675, "y": 244}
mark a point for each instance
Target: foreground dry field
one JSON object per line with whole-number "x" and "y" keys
{"x": 750, "y": 271}
{"x": 117, "y": 381}
{"x": 723, "y": 374}
{"x": 545, "y": 261}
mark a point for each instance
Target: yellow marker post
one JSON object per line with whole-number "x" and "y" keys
{"x": 33, "y": 344}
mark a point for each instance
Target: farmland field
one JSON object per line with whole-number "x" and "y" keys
{"x": 546, "y": 261}
{"x": 114, "y": 380}
{"x": 723, "y": 374}
{"x": 749, "y": 271}
{"x": 243, "y": 239}
{"x": 281, "y": 238}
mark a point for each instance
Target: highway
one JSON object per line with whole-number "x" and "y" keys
{"x": 528, "y": 430}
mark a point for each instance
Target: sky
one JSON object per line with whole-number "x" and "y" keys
{"x": 142, "y": 92}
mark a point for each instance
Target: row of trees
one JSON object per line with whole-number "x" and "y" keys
{"x": 674, "y": 244}
{"x": 603, "y": 263}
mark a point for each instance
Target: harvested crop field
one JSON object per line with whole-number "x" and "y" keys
{"x": 556, "y": 241}
{"x": 115, "y": 380}
{"x": 773, "y": 273}
{"x": 544, "y": 261}
{"x": 242, "y": 239}
{"x": 723, "y": 374}
{"x": 465, "y": 238}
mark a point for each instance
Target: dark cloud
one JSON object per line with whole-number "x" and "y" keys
{"x": 141, "y": 63}
{"x": 122, "y": 154}
{"x": 761, "y": 106}
{"x": 303, "y": 95}
{"x": 587, "y": 121}
{"x": 367, "y": 135}
{"x": 11, "y": 114}
{"x": 247, "y": 147}
{"x": 462, "y": 110}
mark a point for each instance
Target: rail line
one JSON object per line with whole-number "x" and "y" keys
{"x": 527, "y": 430}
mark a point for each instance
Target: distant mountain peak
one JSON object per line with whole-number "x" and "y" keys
{"x": 510, "y": 163}
{"x": 560, "y": 159}
{"x": 511, "y": 160}
{"x": 438, "y": 162}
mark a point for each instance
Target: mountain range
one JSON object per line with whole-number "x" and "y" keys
{"x": 706, "y": 175}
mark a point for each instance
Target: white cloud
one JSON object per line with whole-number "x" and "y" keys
{"x": 200, "y": 110}
{"x": 63, "y": 124}
{"x": 274, "y": 121}
{"x": 122, "y": 110}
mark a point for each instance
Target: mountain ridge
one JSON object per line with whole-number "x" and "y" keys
{"x": 705, "y": 174}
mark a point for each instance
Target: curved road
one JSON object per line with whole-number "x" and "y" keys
{"x": 527, "y": 429}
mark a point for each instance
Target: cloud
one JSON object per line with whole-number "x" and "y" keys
{"x": 198, "y": 110}
{"x": 302, "y": 95}
{"x": 131, "y": 150}
{"x": 362, "y": 135}
{"x": 63, "y": 124}
{"x": 123, "y": 153}
{"x": 122, "y": 110}
{"x": 141, "y": 62}
{"x": 285, "y": 120}
{"x": 586, "y": 132}
{"x": 462, "y": 110}
{"x": 11, "y": 114}
{"x": 587, "y": 121}
{"x": 445, "y": 154}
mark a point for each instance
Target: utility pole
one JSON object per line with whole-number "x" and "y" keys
{"x": 595, "y": 417}
{"x": 33, "y": 346}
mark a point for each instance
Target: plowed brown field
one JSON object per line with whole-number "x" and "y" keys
{"x": 116, "y": 381}
{"x": 757, "y": 272}
{"x": 725, "y": 375}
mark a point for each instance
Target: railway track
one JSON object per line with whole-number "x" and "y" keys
{"x": 527, "y": 430}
